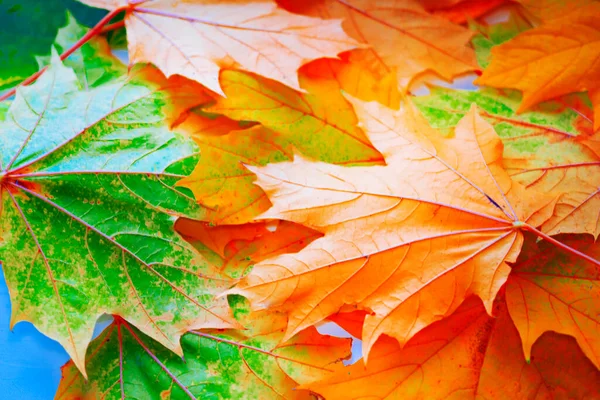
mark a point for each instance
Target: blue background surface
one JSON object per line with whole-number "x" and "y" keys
{"x": 29, "y": 361}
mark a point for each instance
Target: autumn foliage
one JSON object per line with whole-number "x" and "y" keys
{"x": 263, "y": 168}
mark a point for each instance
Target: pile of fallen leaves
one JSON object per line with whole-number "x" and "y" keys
{"x": 262, "y": 168}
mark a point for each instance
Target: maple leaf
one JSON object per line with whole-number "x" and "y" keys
{"x": 384, "y": 227}
{"x": 547, "y": 10}
{"x": 240, "y": 246}
{"x": 550, "y": 290}
{"x": 229, "y": 365}
{"x": 403, "y": 37}
{"x": 221, "y": 182}
{"x": 308, "y": 121}
{"x": 468, "y": 355}
{"x": 493, "y": 35}
{"x": 29, "y": 28}
{"x": 93, "y": 63}
{"x": 182, "y": 97}
{"x": 198, "y": 39}
{"x": 321, "y": 124}
{"x": 88, "y": 205}
{"x": 550, "y": 149}
{"x": 352, "y": 322}
{"x": 557, "y": 58}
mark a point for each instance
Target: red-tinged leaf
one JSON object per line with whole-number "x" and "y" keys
{"x": 352, "y": 322}
{"x": 463, "y": 10}
{"x": 241, "y": 246}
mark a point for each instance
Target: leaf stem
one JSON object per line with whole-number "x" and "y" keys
{"x": 113, "y": 27}
{"x": 91, "y": 33}
{"x": 561, "y": 245}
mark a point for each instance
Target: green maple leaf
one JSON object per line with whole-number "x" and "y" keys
{"x": 231, "y": 364}
{"x": 93, "y": 63}
{"x": 88, "y": 205}
{"x": 29, "y": 28}
{"x": 522, "y": 133}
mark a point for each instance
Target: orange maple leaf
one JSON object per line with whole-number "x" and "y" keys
{"x": 197, "y": 39}
{"x": 403, "y": 37}
{"x": 547, "y": 10}
{"x": 559, "y": 57}
{"x": 570, "y": 168}
{"x": 468, "y": 355}
{"x": 408, "y": 241}
{"x": 551, "y": 290}
{"x": 241, "y": 246}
